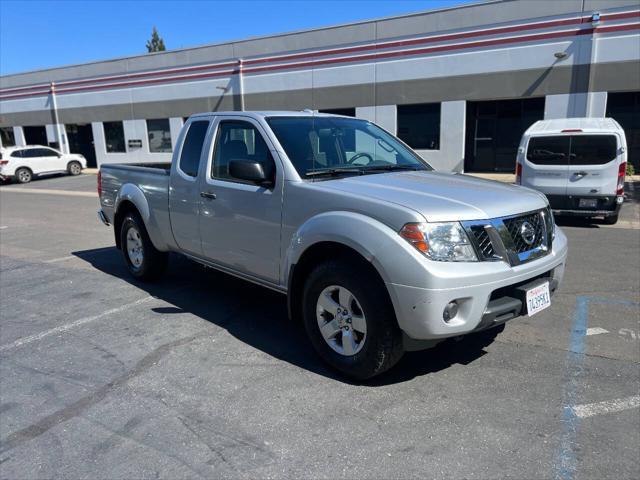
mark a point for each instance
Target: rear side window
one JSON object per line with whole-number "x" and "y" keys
{"x": 549, "y": 150}
{"x": 192, "y": 148}
{"x": 593, "y": 149}
{"x": 17, "y": 153}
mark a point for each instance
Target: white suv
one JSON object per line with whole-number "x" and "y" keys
{"x": 23, "y": 163}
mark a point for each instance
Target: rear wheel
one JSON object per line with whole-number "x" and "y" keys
{"x": 611, "y": 220}
{"x": 74, "y": 168}
{"x": 23, "y": 175}
{"x": 144, "y": 261}
{"x": 350, "y": 320}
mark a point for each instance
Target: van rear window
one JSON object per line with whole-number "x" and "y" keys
{"x": 593, "y": 149}
{"x": 549, "y": 150}
{"x": 572, "y": 150}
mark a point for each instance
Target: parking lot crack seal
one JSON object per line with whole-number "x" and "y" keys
{"x": 78, "y": 407}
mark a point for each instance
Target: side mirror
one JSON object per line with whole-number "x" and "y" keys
{"x": 249, "y": 171}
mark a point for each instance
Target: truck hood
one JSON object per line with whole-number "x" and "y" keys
{"x": 442, "y": 196}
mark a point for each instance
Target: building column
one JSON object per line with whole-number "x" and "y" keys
{"x": 383, "y": 115}
{"x": 18, "y": 134}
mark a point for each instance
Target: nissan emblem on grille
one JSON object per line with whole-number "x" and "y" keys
{"x": 528, "y": 233}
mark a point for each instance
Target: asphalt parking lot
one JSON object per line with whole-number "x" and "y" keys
{"x": 202, "y": 375}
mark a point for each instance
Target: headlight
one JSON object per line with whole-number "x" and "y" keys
{"x": 444, "y": 242}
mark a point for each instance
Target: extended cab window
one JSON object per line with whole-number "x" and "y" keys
{"x": 549, "y": 150}
{"x": 192, "y": 148}
{"x": 239, "y": 140}
{"x": 593, "y": 149}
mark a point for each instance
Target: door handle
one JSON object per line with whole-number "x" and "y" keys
{"x": 581, "y": 174}
{"x": 209, "y": 195}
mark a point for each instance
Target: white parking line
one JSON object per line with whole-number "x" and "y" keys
{"x": 63, "y": 328}
{"x": 3, "y": 227}
{"x": 71, "y": 257}
{"x": 609, "y": 406}
{"x": 596, "y": 331}
{"x": 48, "y": 191}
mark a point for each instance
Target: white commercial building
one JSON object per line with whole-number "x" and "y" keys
{"x": 460, "y": 85}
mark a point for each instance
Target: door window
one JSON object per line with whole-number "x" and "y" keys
{"x": 549, "y": 150}
{"x": 239, "y": 140}
{"x": 593, "y": 149}
{"x": 192, "y": 148}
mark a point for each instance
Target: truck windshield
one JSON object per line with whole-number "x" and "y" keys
{"x": 332, "y": 146}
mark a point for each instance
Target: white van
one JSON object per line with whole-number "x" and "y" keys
{"x": 578, "y": 163}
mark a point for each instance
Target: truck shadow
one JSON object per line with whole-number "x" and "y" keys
{"x": 258, "y": 317}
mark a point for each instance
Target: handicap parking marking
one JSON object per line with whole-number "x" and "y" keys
{"x": 565, "y": 463}
{"x": 596, "y": 331}
{"x": 608, "y": 406}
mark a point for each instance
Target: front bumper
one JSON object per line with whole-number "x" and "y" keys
{"x": 481, "y": 304}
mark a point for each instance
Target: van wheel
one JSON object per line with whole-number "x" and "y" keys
{"x": 350, "y": 320}
{"x": 144, "y": 261}
{"x": 23, "y": 175}
{"x": 74, "y": 168}
{"x": 612, "y": 220}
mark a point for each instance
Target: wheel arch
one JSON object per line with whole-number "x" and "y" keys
{"x": 313, "y": 256}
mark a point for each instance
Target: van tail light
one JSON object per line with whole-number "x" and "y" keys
{"x": 99, "y": 183}
{"x": 518, "y": 173}
{"x": 621, "y": 173}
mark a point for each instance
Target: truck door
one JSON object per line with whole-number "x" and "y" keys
{"x": 240, "y": 221}
{"x": 546, "y": 164}
{"x": 593, "y": 165}
{"x": 184, "y": 192}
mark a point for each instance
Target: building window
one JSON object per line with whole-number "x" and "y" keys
{"x": 347, "y": 112}
{"x": 36, "y": 135}
{"x": 419, "y": 125}
{"x": 7, "y": 138}
{"x": 114, "y": 137}
{"x": 624, "y": 107}
{"x": 159, "y": 135}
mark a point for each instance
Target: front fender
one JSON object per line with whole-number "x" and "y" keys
{"x": 367, "y": 236}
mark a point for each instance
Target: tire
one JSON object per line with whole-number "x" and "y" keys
{"x": 74, "y": 168}
{"x": 611, "y": 220}
{"x": 143, "y": 260}
{"x": 357, "y": 354}
{"x": 23, "y": 175}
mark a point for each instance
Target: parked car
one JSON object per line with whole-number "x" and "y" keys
{"x": 376, "y": 252}
{"x": 24, "y": 163}
{"x": 578, "y": 163}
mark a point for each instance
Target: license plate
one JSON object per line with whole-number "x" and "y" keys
{"x": 538, "y": 298}
{"x": 588, "y": 203}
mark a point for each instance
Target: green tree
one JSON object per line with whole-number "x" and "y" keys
{"x": 156, "y": 44}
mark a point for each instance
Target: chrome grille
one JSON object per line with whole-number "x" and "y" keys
{"x": 515, "y": 225}
{"x": 483, "y": 241}
{"x": 515, "y": 240}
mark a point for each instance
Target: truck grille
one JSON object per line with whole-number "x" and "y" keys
{"x": 483, "y": 241}
{"x": 515, "y": 240}
{"x": 515, "y": 227}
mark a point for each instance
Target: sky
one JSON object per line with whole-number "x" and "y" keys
{"x": 38, "y": 34}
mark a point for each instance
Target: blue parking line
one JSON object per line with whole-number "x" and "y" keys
{"x": 565, "y": 463}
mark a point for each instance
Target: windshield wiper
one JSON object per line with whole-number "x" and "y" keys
{"x": 333, "y": 172}
{"x": 391, "y": 167}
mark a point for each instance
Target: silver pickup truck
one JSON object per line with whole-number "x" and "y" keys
{"x": 377, "y": 253}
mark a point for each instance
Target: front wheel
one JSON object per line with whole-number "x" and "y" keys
{"x": 350, "y": 320}
{"x": 74, "y": 168}
{"x": 144, "y": 261}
